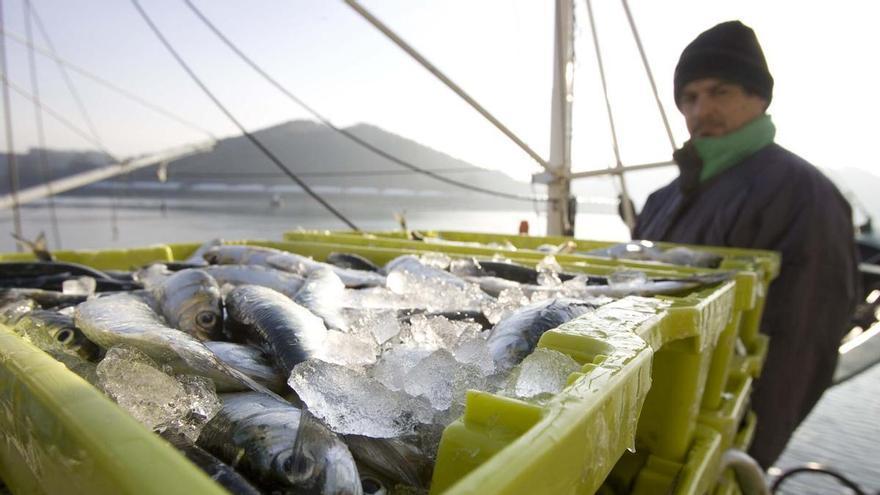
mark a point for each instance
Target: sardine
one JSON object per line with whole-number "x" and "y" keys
{"x": 351, "y": 260}
{"x": 280, "y": 447}
{"x": 128, "y": 319}
{"x": 46, "y": 299}
{"x": 353, "y": 279}
{"x": 648, "y": 251}
{"x": 190, "y": 301}
{"x": 250, "y": 361}
{"x": 236, "y": 275}
{"x": 516, "y": 336}
{"x": 657, "y": 286}
{"x": 198, "y": 256}
{"x": 286, "y": 331}
{"x": 216, "y": 469}
{"x": 239, "y": 255}
{"x": 13, "y": 311}
{"x": 52, "y": 331}
{"x": 322, "y": 294}
{"x": 392, "y": 459}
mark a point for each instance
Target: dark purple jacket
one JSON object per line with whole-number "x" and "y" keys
{"x": 775, "y": 200}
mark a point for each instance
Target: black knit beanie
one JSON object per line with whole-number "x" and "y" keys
{"x": 728, "y": 51}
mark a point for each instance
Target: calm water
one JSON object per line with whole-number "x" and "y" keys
{"x": 88, "y": 223}
{"x": 842, "y": 432}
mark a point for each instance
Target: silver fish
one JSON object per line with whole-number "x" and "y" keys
{"x": 391, "y": 459}
{"x": 250, "y": 361}
{"x": 190, "y": 301}
{"x": 322, "y": 294}
{"x": 219, "y": 471}
{"x": 280, "y": 446}
{"x": 286, "y": 331}
{"x": 50, "y": 330}
{"x": 128, "y": 319}
{"x": 516, "y": 336}
{"x": 44, "y": 298}
{"x": 239, "y": 255}
{"x": 198, "y": 256}
{"x": 648, "y": 251}
{"x": 653, "y": 287}
{"x": 235, "y": 275}
{"x": 14, "y": 310}
{"x": 292, "y": 262}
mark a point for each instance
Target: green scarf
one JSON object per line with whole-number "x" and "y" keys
{"x": 720, "y": 153}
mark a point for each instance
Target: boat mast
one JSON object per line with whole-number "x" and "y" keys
{"x": 559, "y": 221}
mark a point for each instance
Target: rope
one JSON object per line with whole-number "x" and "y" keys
{"x": 55, "y": 115}
{"x": 45, "y": 172}
{"x": 109, "y": 85}
{"x": 10, "y": 147}
{"x": 635, "y": 31}
{"x": 84, "y": 113}
{"x": 271, "y": 156}
{"x": 628, "y": 213}
{"x": 817, "y": 470}
{"x": 344, "y": 132}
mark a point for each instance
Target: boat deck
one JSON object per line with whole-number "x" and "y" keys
{"x": 842, "y": 433}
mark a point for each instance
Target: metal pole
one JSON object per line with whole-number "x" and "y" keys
{"x": 10, "y": 147}
{"x": 559, "y": 187}
{"x": 621, "y": 170}
{"x": 448, "y": 82}
{"x": 83, "y": 179}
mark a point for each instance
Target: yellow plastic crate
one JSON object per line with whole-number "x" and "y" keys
{"x": 58, "y": 434}
{"x": 683, "y": 370}
{"x": 727, "y": 418}
{"x": 755, "y": 271}
{"x": 650, "y": 475}
{"x": 568, "y": 445}
{"x": 602, "y": 402}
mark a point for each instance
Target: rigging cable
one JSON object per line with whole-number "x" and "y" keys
{"x": 93, "y": 130}
{"x": 10, "y": 148}
{"x": 628, "y": 213}
{"x": 635, "y": 32}
{"x": 109, "y": 85}
{"x": 41, "y": 135}
{"x": 378, "y": 151}
{"x": 271, "y": 156}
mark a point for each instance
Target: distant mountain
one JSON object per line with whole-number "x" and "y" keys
{"x": 61, "y": 163}
{"x": 323, "y": 157}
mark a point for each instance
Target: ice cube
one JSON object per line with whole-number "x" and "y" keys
{"x": 443, "y": 380}
{"x": 80, "y": 286}
{"x": 135, "y": 382}
{"x": 352, "y": 351}
{"x": 624, "y": 280}
{"x": 548, "y": 272}
{"x": 436, "y": 260}
{"x": 156, "y": 399}
{"x": 508, "y": 301}
{"x": 544, "y": 371}
{"x": 202, "y": 405}
{"x": 475, "y": 352}
{"x": 379, "y": 324}
{"x": 395, "y": 363}
{"x": 352, "y": 403}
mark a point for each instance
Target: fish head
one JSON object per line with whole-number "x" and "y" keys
{"x": 212, "y": 255}
{"x": 191, "y": 302}
{"x": 320, "y": 462}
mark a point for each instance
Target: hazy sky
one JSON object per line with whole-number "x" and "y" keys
{"x": 822, "y": 55}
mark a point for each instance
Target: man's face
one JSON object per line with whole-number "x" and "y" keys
{"x": 713, "y": 107}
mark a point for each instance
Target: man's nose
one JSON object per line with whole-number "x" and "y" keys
{"x": 702, "y": 106}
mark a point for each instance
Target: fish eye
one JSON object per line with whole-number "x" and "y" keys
{"x": 372, "y": 486}
{"x": 206, "y": 319}
{"x": 64, "y": 336}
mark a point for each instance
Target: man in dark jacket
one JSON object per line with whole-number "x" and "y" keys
{"x": 736, "y": 187}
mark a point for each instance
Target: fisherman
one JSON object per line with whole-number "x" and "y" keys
{"x": 737, "y": 187}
